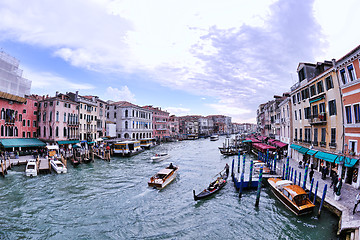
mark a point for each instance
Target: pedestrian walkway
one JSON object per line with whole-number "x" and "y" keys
{"x": 345, "y": 205}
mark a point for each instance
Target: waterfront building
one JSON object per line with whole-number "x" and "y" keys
{"x": 222, "y": 124}
{"x": 58, "y": 118}
{"x": 18, "y": 116}
{"x": 189, "y": 125}
{"x": 160, "y": 123}
{"x": 348, "y": 72}
{"x": 285, "y": 120}
{"x": 132, "y": 121}
{"x": 206, "y": 126}
{"x": 260, "y": 120}
{"x": 88, "y": 115}
{"x": 11, "y": 80}
{"x": 317, "y": 116}
{"x": 174, "y": 127}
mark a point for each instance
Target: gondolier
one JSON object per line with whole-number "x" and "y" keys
{"x": 227, "y": 169}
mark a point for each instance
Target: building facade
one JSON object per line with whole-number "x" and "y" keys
{"x": 160, "y": 123}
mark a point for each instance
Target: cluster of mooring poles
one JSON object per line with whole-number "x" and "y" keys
{"x": 288, "y": 173}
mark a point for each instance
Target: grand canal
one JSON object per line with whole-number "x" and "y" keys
{"x": 111, "y": 200}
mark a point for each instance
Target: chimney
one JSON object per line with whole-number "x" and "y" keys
{"x": 56, "y": 94}
{"x": 333, "y": 62}
{"x": 76, "y": 95}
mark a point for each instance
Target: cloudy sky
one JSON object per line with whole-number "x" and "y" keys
{"x": 188, "y": 57}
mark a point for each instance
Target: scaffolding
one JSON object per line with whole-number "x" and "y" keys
{"x": 11, "y": 80}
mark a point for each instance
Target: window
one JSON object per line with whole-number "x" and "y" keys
{"x": 35, "y": 112}
{"x": 299, "y": 114}
{"x": 315, "y": 135}
{"x": 356, "y": 113}
{"x": 333, "y": 135}
{"x": 24, "y": 111}
{"x": 20, "y": 117}
{"x": 44, "y": 131}
{"x": 307, "y": 135}
{"x": 300, "y": 134}
{"x": 307, "y": 95}
{"x": 301, "y": 74}
{"x": 126, "y": 113}
{"x": 323, "y": 134}
{"x": 28, "y": 123}
{"x": 64, "y": 117}
{"x": 315, "y": 111}
{"x": 114, "y": 114}
{"x": 23, "y": 133}
{"x": 343, "y": 76}
{"x": 44, "y": 116}
{"x": 351, "y": 72}
{"x": 34, "y": 123}
{"x": 312, "y": 90}
{"x": 50, "y": 116}
{"x": 322, "y": 108}
{"x": 57, "y": 131}
{"x": 51, "y": 103}
{"x": 24, "y": 123}
{"x": 307, "y": 113}
{"x": 348, "y": 114}
{"x": 57, "y": 116}
{"x": 332, "y": 107}
{"x": 320, "y": 87}
{"x": 80, "y": 115}
{"x": 64, "y": 133}
{"x": 329, "y": 83}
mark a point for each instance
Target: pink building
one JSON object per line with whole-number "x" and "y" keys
{"x": 18, "y": 116}
{"x": 160, "y": 121}
{"x": 58, "y": 119}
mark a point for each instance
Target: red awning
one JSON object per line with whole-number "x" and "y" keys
{"x": 280, "y": 144}
{"x": 263, "y": 147}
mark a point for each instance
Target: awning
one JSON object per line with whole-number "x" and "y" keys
{"x": 303, "y": 150}
{"x": 21, "y": 142}
{"x": 279, "y": 144}
{"x": 316, "y": 99}
{"x": 68, "y": 142}
{"x": 83, "y": 141}
{"x": 91, "y": 142}
{"x": 326, "y": 156}
{"x": 246, "y": 141}
{"x": 294, "y": 146}
{"x": 311, "y": 152}
{"x": 349, "y": 162}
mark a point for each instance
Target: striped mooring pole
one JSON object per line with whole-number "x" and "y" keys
{"x": 251, "y": 170}
{"x": 299, "y": 178}
{"x": 322, "y": 200}
{"x": 241, "y": 184}
{"x": 305, "y": 175}
{"x": 295, "y": 177}
{"x": 315, "y": 194}
{"x": 311, "y": 187}
{"x": 259, "y": 188}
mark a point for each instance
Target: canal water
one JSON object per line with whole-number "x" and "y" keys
{"x": 111, "y": 200}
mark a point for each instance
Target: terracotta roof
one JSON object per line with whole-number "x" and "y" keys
{"x": 124, "y": 104}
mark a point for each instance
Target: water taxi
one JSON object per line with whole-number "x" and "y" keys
{"x": 162, "y": 178}
{"x": 214, "y": 137}
{"x": 31, "y": 169}
{"x": 292, "y": 196}
{"x": 147, "y": 143}
{"x": 258, "y": 165}
{"x": 127, "y": 148}
{"x": 58, "y": 166}
{"x": 160, "y": 157}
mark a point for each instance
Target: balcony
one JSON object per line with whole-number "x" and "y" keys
{"x": 317, "y": 119}
{"x": 307, "y": 141}
{"x": 315, "y": 143}
{"x": 332, "y": 144}
{"x": 322, "y": 144}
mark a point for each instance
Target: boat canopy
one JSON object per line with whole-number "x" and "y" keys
{"x": 283, "y": 183}
{"x": 294, "y": 190}
{"x": 165, "y": 171}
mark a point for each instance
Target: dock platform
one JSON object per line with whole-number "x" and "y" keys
{"x": 44, "y": 166}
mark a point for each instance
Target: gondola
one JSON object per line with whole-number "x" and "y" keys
{"x": 213, "y": 187}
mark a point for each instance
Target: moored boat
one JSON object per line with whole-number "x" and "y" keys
{"x": 160, "y": 157}
{"x": 213, "y": 187}
{"x": 214, "y": 137}
{"x": 58, "y": 166}
{"x": 162, "y": 178}
{"x": 31, "y": 169}
{"x": 127, "y": 148}
{"x": 292, "y": 196}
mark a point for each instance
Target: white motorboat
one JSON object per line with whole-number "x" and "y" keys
{"x": 163, "y": 177}
{"x": 160, "y": 157}
{"x": 31, "y": 169}
{"x": 58, "y": 166}
{"x": 214, "y": 137}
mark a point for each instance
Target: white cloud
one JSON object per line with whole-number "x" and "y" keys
{"x": 178, "y": 111}
{"x": 42, "y": 82}
{"x": 123, "y": 94}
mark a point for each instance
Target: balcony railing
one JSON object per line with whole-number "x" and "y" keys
{"x": 318, "y": 118}
{"x": 322, "y": 144}
{"x": 315, "y": 143}
{"x": 332, "y": 144}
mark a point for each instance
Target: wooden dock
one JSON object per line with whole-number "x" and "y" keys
{"x": 44, "y": 166}
{"x": 5, "y": 165}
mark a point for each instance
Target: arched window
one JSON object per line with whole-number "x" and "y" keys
{"x": 126, "y": 136}
{"x": 133, "y": 136}
{"x": 2, "y": 113}
{"x": 65, "y": 131}
{"x": 44, "y": 131}
{"x": 57, "y": 116}
{"x": 126, "y": 113}
{"x": 126, "y": 125}
{"x": 50, "y": 116}
{"x": 137, "y": 136}
{"x": 2, "y": 130}
{"x": 16, "y": 131}
{"x": 64, "y": 117}
{"x": 44, "y": 116}
{"x": 50, "y": 131}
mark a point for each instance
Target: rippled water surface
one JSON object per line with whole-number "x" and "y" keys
{"x": 111, "y": 200}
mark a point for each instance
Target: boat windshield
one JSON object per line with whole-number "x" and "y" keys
{"x": 59, "y": 165}
{"x": 31, "y": 166}
{"x": 301, "y": 200}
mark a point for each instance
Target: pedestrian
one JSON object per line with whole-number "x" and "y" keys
{"x": 311, "y": 174}
{"x": 357, "y": 203}
{"x": 334, "y": 180}
{"x": 227, "y": 169}
{"x": 335, "y": 183}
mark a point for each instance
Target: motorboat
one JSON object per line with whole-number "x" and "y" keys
{"x": 31, "y": 169}
{"x": 160, "y": 157}
{"x": 127, "y": 148}
{"x": 258, "y": 165}
{"x": 214, "y": 137}
{"x": 58, "y": 166}
{"x": 292, "y": 196}
{"x": 147, "y": 143}
{"x": 162, "y": 178}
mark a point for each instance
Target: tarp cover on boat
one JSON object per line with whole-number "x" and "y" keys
{"x": 165, "y": 171}
{"x": 21, "y": 142}
{"x": 279, "y": 144}
{"x": 326, "y": 156}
